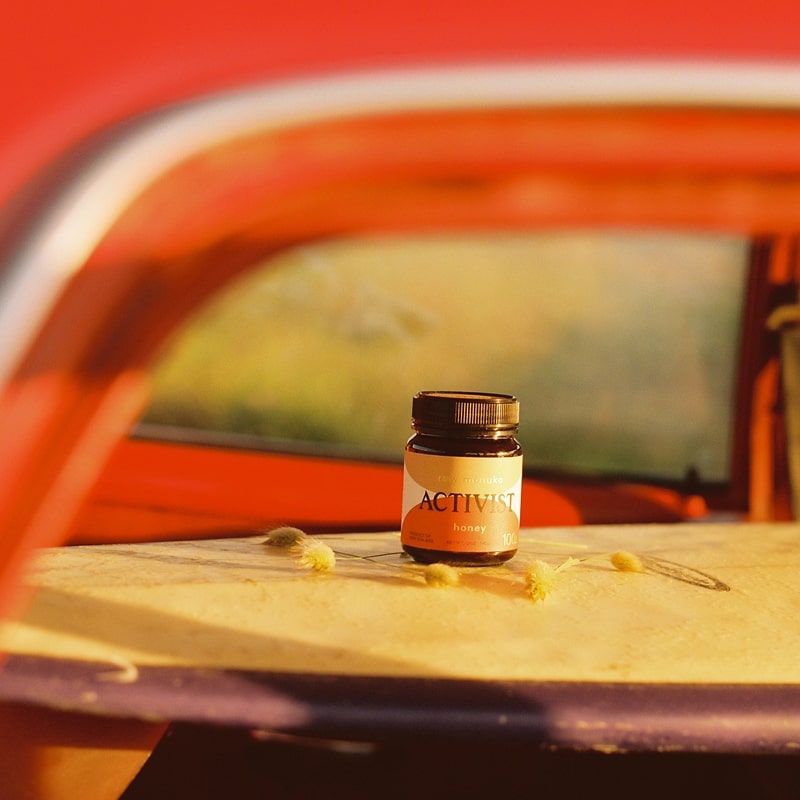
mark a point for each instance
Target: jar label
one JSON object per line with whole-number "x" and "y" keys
{"x": 461, "y": 504}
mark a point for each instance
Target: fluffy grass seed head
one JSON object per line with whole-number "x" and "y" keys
{"x": 627, "y": 562}
{"x": 540, "y": 579}
{"x": 441, "y": 576}
{"x": 284, "y": 537}
{"x": 316, "y": 556}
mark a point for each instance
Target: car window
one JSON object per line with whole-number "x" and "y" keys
{"x": 622, "y": 346}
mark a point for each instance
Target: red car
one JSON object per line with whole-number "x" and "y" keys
{"x": 543, "y": 145}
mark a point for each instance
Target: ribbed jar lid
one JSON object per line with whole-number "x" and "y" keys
{"x": 465, "y": 410}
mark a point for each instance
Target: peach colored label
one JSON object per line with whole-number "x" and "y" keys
{"x": 461, "y": 504}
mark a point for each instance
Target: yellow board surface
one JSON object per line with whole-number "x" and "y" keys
{"x": 717, "y": 603}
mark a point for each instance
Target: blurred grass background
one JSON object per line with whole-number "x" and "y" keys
{"x": 621, "y": 346}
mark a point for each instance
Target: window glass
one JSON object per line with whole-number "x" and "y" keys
{"x": 622, "y": 347}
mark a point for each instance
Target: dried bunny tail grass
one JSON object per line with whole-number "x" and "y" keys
{"x": 284, "y": 537}
{"x": 627, "y": 562}
{"x": 541, "y": 578}
{"x": 316, "y": 556}
{"x": 441, "y": 575}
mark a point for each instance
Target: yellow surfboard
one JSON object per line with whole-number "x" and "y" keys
{"x": 691, "y": 617}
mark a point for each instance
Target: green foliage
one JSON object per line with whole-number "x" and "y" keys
{"x": 620, "y": 346}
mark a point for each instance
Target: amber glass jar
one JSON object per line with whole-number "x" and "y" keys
{"x": 462, "y": 479}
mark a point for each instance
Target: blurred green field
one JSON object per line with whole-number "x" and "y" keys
{"x": 621, "y": 347}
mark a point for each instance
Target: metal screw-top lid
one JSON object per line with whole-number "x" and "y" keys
{"x": 465, "y": 411}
